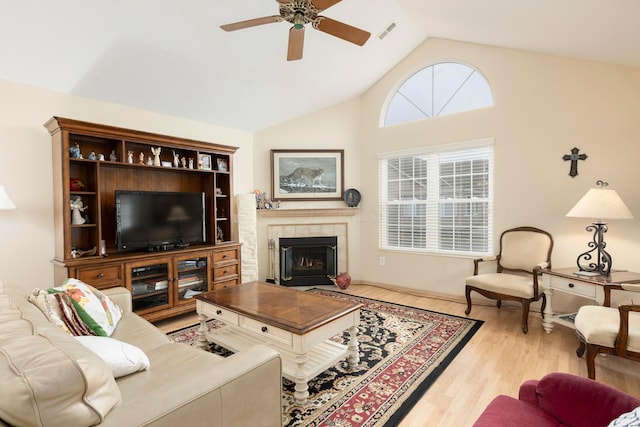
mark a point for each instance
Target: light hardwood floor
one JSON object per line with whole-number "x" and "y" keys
{"x": 495, "y": 361}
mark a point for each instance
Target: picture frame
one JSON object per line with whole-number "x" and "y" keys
{"x": 222, "y": 165}
{"x": 307, "y": 174}
{"x": 204, "y": 162}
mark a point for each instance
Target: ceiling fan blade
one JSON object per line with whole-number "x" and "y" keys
{"x": 324, "y": 4}
{"x": 251, "y": 23}
{"x": 342, "y": 30}
{"x": 296, "y": 44}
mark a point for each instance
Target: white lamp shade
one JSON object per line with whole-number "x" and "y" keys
{"x": 601, "y": 203}
{"x": 5, "y": 201}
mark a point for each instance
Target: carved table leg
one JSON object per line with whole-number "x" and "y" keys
{"x": 354, "y": 347}
{"x": 202, "y": 333}
{"x": 302, "y": 388}
{"x": 547, "y": 321}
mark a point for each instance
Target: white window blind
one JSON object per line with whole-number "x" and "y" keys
{"x": 438, "y": 199}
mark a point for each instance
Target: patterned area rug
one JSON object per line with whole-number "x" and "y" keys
{"x": 403, "y": 350}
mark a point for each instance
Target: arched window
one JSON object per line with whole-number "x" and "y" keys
{"x": 437, "y": 90}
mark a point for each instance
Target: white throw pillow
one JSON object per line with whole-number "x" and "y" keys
{"x": 628, "y": 419}
{"x": 122, "y": 358}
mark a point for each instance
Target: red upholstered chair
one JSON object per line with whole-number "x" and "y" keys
{"x": 523, "y": 252}
{"x": 558, "y": 399}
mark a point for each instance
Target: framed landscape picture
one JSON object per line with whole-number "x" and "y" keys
{"x": 307, "y": 174}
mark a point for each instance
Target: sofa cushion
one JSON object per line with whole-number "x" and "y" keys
{"x": 51, "y": 379}
{"x": 122, "y": 358}
{"x": 135, "y": 330}
{"x": 95, "y": 309}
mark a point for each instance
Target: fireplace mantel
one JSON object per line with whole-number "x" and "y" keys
{"x": 307, "y": 212}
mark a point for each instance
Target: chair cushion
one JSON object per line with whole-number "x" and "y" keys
{"x": 599, "y": 325}
{"x": 503, "y": 283}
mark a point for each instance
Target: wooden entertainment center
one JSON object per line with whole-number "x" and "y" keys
{"x": 92, "y": 161}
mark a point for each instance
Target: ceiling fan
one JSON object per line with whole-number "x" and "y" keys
{"x": 303, "y": 12}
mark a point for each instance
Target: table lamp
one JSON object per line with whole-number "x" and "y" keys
{"x": 601, "y": 203}
{"x": 5, "y": 201}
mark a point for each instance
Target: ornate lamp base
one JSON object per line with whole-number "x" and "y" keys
{"x": 603, "y": 261}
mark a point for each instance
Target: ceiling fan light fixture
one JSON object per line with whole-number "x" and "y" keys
{"x": 298, "y": 21}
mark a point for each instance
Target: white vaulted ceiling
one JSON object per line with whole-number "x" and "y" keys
{"x": 171, "y": 56}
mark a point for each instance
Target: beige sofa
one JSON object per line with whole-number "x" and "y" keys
{"x": 48, "y": 379}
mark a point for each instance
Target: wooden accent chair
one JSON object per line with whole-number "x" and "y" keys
{"x": 609, "y": 330}
{"x": 524, "y": 251}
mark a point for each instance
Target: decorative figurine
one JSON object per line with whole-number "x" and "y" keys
{"x": 92, "y": 155}
{"x": 184, "y": 162}
{"x": 74, "y": 152}
{"x": 130, "y": 157}
{"x": 141, "y": 157}
{"x": 77, "y": 253}
{"x": 113, "y": 157}
{"x": 219, "y": 234}
{"x": 190, "y": 163}
{"x": 176, "y": 159}
{"x": 149, "y": 161}
{"x": 101, "y": 157}
{"x": 77, "y": 208}
{"x": 156, "y": 153}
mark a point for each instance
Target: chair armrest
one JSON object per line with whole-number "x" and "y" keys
{"x": 120, "y": 296}
{"x": 527, "y": 392}
{"x": 541, "y": 266}
{"x": 623, "y": 332}
{"x": 477, "y": 261}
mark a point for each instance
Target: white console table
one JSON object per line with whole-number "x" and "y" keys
{"x": 596, "y": 288}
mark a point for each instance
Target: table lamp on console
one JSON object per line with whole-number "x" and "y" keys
{"x": 5, "y": 201}
{"x": 601, "y": 203}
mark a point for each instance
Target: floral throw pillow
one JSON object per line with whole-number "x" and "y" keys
{"x": 95, "y": 309}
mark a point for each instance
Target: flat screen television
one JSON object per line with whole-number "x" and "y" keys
{"x": 156, "y": 221}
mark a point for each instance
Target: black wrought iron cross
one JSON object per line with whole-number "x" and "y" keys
{"x": 574, "y": 157}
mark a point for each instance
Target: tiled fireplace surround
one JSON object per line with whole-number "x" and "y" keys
{"x": 274, "y": 224}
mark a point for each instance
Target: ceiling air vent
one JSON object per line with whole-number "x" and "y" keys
{"x": 387, "y": 30}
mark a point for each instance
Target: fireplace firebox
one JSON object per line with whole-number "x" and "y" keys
{"x": 308, "y": 260}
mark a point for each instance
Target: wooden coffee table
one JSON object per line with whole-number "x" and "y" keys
{"x": 297, "y": 324}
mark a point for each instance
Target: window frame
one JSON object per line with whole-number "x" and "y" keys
{"x": 433, "y": 90}
{"x": 433, "y": 204}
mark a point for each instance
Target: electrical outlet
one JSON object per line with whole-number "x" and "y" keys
{"x": 381, "y": 260}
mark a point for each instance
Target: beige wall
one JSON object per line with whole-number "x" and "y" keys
{"x": 26, "y": 233}
{"x": 544, "y": 106}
